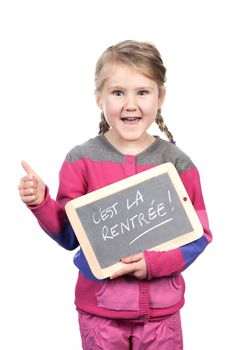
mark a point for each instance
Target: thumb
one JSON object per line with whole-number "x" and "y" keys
{"x": 28, "y": 169}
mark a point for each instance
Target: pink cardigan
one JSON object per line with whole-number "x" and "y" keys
{"x": 95, "y": 164}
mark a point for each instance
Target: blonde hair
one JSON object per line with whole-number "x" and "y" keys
{"x": 140, "y": 56}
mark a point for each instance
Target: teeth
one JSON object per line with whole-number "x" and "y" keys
{"x": 130, "y": 118}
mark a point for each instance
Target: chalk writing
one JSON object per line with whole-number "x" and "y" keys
{"x": 154, "y": 212}
{"x": 104, "y": 214}
{"x": 139, "y": 197}
{"x": 150, "y": 229}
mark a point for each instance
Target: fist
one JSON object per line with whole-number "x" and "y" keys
{"x": 31, "y": 187}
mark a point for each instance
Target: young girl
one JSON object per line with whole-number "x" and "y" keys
{"x": 137, "y": 307}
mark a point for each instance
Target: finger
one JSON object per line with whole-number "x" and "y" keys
{"x": 26, "y": 186}
{"x": 28, "y": 181}
{"x": 28, "y": 169}
{"x": 29, "y": 199}
{"x": 126, "y": 270}
{"x": 24, "y": 192}
{"x": 132, "y": 258}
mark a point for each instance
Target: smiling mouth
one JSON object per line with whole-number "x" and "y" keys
{"x": 131, "y": 120}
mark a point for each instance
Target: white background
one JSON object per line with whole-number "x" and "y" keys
{"x": 48, "y": 54}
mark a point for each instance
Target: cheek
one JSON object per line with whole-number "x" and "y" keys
{"x": 111, "y": 109}
{"x": 151, "y": 107}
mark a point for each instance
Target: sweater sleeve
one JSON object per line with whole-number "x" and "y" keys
{"x": 165, "y": 263}
{"x": 51, "y": 214}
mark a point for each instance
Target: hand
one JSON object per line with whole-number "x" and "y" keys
{"x": 31, "y": 187}
{"x": 135, "y": 265}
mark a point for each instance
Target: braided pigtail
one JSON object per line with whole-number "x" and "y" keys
{"x": 103, "y": 124}
{"x": 162, "y": 126}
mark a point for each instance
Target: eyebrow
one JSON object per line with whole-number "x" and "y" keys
{"x": 118, "y": 87}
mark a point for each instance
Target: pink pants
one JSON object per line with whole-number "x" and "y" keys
{"x": 109, "y": 334}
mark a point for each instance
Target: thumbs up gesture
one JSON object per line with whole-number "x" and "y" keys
{"x": 31, "y": 187}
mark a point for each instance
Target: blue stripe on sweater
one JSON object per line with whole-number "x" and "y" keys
{"x": 66, "y": 238}
{"x": 192, "y": 250}
{"x": 82, "y": 264}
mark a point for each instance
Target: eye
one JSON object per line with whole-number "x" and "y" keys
{"x": 143, "y": 92}
{"x": 117, "y": 93}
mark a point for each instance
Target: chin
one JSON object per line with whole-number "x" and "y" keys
{"x": 132, "y": 137}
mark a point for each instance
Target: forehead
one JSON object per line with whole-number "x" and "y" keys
{"x": 123, "y": 74}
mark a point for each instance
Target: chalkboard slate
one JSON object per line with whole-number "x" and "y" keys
{"x": 150, "y": 210}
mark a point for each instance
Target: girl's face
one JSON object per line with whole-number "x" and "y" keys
{"x": 129, "y": 101}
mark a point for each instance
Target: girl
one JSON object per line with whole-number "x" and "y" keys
{"x": 137, "y": 307}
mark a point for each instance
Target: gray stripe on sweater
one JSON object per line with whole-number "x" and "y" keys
{"x": 161, "y": 151}
{"x": 97, "y": 149}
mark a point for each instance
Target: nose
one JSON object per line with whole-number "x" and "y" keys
{"x": 130, "y": 103}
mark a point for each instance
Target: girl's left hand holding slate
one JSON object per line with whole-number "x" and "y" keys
{"x": 135, "y": 265}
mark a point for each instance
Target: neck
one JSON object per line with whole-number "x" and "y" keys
{"x": 130, "y": 147}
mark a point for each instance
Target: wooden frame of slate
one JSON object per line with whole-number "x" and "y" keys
{"x": 147, "y": 211}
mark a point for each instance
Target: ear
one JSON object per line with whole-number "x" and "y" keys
{"x": 98, "y": 100}
{"x": 162, "y": 94}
